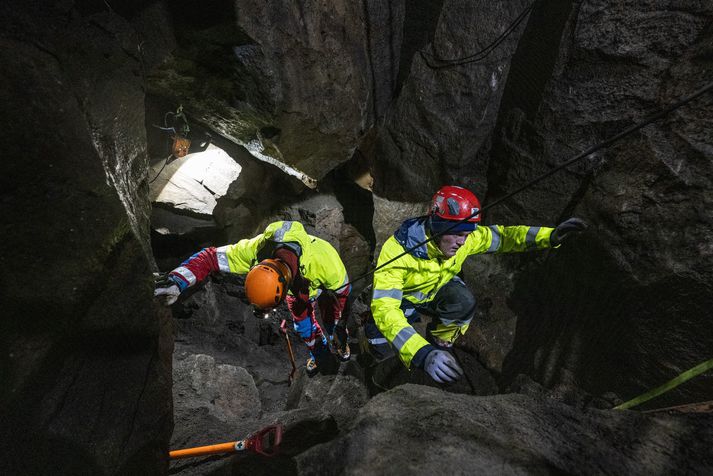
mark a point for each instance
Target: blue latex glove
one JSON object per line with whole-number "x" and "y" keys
{"x": 566, "y": 229}
{"x": 442, "y": 367}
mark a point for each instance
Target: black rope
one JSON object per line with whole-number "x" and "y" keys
{"x": 591, "y": 150}
{"x": 165, "y": 163}
{"x": 482, "y": 54}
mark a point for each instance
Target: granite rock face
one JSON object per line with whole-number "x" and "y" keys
{"x": 297, "y": 86}
{"x": 86, "y": 360}
{"x": 632, "y": 293}
{"x": 449, "y": 97}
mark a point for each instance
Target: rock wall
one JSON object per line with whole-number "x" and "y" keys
{"x": 296, "y": 85}
{"x": 86, "y": 361}
{"x": 301, "y": 86}
{"x": 397, "y": 81}
{"x": 625, "y": 308}
{"x": 444, "y": 112}
{"x": 506, "y": 434}
{"x": 573, "y": 74}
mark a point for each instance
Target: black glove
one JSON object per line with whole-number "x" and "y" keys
{"x": 566, "y": 229}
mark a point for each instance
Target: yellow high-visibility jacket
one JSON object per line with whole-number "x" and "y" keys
{"x": 319, "y": 261}
{"x": 418, "y": 275}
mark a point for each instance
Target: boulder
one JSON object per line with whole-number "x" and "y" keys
{"x": 420, "y": 430}
{"x": 194, "y": 183}
{"x": 86, "y": 368}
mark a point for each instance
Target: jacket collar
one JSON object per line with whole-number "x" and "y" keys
{"x": 412, "y": 232}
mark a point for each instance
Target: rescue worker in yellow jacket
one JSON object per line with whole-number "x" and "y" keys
{"x": 424, "y": 281}
{"x": 283, "y": 262}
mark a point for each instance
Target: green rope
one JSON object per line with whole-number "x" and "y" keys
{"x": 671, "y": 384}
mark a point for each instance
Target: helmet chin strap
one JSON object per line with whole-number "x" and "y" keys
{"x": 429, "y": 225}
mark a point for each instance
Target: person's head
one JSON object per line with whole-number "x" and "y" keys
{"x": 267, "y": 282}
{"x": 449, "y": 206}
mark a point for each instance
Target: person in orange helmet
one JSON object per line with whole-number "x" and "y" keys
{"x": 282, "y": 263}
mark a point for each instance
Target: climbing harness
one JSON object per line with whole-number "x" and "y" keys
{"x": 265, "y": 442}
{"x": 179, "y": 129}
{"x": 671, "y": 384}
{"x": 480, "y": 55}
{"x": 283, "y": 329}
{"x": 578, "y": 157}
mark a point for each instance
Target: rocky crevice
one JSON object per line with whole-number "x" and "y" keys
{"x": 346, "y": 92}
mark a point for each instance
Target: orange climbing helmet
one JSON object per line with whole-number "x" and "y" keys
{"x": 267, "y": 282}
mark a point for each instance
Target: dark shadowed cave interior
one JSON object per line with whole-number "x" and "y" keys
{"x": 347, "y": 116}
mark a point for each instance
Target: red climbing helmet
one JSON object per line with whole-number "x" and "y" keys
{"x": 455, "y": 203}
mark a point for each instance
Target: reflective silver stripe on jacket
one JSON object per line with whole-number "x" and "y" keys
{"x": 531, "y": 236}
{"x": 403, "y": 335}
{"x": 390, "y": 293}
{"x": 495, "y": 244}
{"x": 222, "y": 254}
{"x": 418, "y": 295}
{"x": 344, "y": 289}
{"x": 409, "y": 312}
{"x": 280, "y": 234}
{"x": 378, "y": 341}
{"x": 187, "y": 274}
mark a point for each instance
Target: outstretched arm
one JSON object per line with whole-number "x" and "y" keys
{"x": 513, "y": 239}
{"x": 235, "y": 258}
{"x": 191, "y": 271}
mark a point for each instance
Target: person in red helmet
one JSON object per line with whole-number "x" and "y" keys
{"x": 281, "y": 263}
{"x": 425, "y": 280}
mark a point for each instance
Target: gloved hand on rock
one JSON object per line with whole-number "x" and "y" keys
{"x": 166, "y": 289}
{"x": 566, "y": 229}
{"x": 442, "y": 367}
